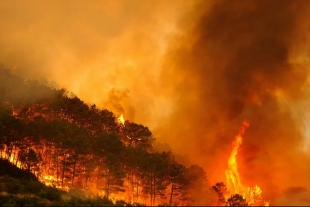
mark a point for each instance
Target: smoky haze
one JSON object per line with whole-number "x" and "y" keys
{"x": 243, "y": 60}
{"x": 192, "y": 71}
{"x": 107, "y": 53}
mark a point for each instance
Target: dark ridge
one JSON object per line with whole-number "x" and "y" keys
{"x": 6, "y": 168}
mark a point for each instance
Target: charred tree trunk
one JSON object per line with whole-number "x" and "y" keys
{"x": 48, "y": 160}
{"x": 28, "y": 161}
{"x": 45, "y": 161}
{"x": 98, "y": 177}
{"x": 171, "y": 194}
{"x": 151, "y": 190}
{"x": 132, "y": 186}
{"x": 154, "y": 191}
{"x": 137, "y": 189}
{"x": 57, "y": 166}
{"x": 73, "y": 172}
{"x": 15, "y": 159}
{"x": 63, "y": 172}
{"x": 87, "y": 177}
{"x": 108, "y": 185}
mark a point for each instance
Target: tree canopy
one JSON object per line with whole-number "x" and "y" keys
{"x": 68, "y": 144}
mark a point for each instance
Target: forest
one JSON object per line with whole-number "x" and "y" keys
{"x": 69, "y": 145}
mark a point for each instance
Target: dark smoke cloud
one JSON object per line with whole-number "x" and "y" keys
{"x": 117, "y": 99}
{"x": 238, "y": 62}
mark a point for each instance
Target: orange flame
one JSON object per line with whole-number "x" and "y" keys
{"x": 121, "y": 119}
{"x": 251, "y": 194}
{"x": 11, "y": 157}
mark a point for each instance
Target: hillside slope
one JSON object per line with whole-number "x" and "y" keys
{"x": 68, "y": 144}
{"x": 21, "y": 188}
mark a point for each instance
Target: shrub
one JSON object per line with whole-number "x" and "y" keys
{"x": 4, "y": 200}
{"x": 75, "y": 201}
{"x": 120, "y": 203}
{"x": 33, "y": 186}
{"x": 14, "y": 186}
{"x": 27, "y": 201}
{"x": 50, "y": 193}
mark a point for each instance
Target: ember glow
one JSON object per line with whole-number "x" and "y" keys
{"x": 234, "y": 184}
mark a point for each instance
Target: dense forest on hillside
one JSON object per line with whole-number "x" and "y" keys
{"x": 68, "y": 144}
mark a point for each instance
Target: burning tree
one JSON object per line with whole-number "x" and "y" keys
{"x": 221, "y": 191}
{"x": 236, "y": 200}
{"x": 179, "y": 181}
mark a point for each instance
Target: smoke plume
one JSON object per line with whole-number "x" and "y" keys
{"x": 242, "y": 60}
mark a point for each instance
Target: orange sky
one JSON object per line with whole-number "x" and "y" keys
{"x": 94, "y": 48}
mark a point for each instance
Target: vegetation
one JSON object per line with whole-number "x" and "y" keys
{"x": 20, "y": 188}
{"x": 236, "y": 200}
{"x": 56, "y": 150}
{"x": 221, "y": 190}
{"x": 65, "y": 143}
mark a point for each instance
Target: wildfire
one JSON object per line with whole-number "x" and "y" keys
{"x": 121, "y": 119}
{"x": 251, "y": 194}
{"x": 11, "y": 156}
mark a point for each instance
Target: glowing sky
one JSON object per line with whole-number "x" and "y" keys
{"x": 108, "y": 53}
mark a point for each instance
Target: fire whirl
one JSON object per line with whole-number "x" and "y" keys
{"x": 251, "y": 194}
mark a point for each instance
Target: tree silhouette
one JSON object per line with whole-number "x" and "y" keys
{"x": 221, "y": 190}
{"x": 236, "y": 200}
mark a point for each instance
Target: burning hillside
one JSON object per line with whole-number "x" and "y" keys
{"x": 70, "y": 145}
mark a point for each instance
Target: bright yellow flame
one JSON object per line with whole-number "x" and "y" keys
{"x": 251, "y": 194}
{"x": 232, "y": 174}
{"x": 12, "y": 157}
{"x": 121, "y": 119}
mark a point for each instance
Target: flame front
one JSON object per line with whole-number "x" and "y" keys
{"x": 251, "y": 194}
